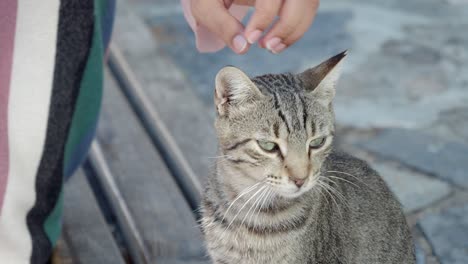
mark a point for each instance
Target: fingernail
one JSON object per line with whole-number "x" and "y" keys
{"x": 278, "y": 48}
{"x": 239, "y": 43}
{"x": 254, "y": 36}
{"x": 270, "y": 44}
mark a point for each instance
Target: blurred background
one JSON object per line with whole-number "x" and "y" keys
{"x": 401, "y": 104}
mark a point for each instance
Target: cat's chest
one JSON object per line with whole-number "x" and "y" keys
{"x": 241, "y": 246}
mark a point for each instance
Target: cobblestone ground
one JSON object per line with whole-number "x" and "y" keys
{"x": 402, "y": 103}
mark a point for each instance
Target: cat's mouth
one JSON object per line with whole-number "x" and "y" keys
{"x": 288, "y": 188}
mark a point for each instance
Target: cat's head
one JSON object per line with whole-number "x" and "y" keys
{"x": 276, "y": 129}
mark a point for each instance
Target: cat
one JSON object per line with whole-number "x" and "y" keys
{"x": 280, "y": 193}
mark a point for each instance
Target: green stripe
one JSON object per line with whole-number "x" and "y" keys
{"x": 52, "y": 225}
{"x": 86, "y": 113}
{"x": 89, "y": 99}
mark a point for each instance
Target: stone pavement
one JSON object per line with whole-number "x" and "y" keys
{"x": 402, "y": 103}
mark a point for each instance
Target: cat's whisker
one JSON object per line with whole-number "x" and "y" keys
{"x": 255, "y": 205}
{"x": 198, "y": 209}
{"x": 316, "y": 183}
{"x": 245, "y": 204}
{"x": 259, "y": 206}
{"x": 346, "y": 173}
{"x": 220, "y": 157}
{"x": 323, "y": 196}
{"x": 209, "y": 224}
{"x": 331, "y": 187}
{"x": 270, "y": 192}
{"x": 337, "y": 193}
{"x": 206, "y": 225}
{"x": 240, "y": 210}
{"x": 341, "y": 179}
{"x": 327, "y": 180}
{"x": 251, "y": 207}
{"x": 333, "y": 199}
{"x": 351, "y": 175}
{"x": 242, "y": 193}
{"x": 199, "y": 221}
{"x": 331, "y": 196}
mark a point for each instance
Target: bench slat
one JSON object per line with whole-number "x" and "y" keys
{"x": 158, "y": 132}
{"x": 189, "y": 122}
{"x": 119, "y": 206}
{"x": 85, "y": 230}
{"x": 161, "y": 214}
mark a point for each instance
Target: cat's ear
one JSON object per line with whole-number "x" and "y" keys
{"x": 321, "y": 80}
{"x": 233, "y": 89}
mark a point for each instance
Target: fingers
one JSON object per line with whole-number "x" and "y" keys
{"x": 264, "y": 15}
{"x": 295, "y": 18}
{"x": 214, "y": 15}
{"x": 298, "y": 33}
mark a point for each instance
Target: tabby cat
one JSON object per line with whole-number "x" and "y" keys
{"x": 280, "y": 193}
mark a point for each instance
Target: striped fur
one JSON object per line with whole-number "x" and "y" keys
{"x": 254, "y": 210}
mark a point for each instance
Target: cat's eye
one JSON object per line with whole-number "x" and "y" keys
{"x": 317, "y": 143}
{"x": 267, "y": 145}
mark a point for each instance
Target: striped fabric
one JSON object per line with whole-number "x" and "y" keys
{"x": 51, "y": 63}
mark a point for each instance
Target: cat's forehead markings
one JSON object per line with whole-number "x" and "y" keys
{"x": 288, "y": 98}
{"x": 278, "y": 82}
{"x": 276, "y": 129}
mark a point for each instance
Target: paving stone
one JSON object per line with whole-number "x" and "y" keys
{"x": 452, "y": 124}
{"x": 435, "y": 9}
{"x": 445, "y": 159}
{"x": 447, "y": 231}
{"x": 415, "y": 191}
{"x": 423, "y": 250}
{"x": 417, "y": 67}
{"x": 458, "y": 2}
{"x": 420, "y": 255}
{"x": 409, "y": 81}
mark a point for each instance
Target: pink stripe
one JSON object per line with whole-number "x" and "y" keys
{"x": 8, "y": 9}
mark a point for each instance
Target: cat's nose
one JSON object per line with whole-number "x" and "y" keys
{"x": 298, "y": 182}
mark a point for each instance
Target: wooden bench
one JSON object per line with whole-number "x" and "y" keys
{"x": 135, "y": 199}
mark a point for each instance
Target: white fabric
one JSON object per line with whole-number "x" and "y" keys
{"x": 30, "y": 92}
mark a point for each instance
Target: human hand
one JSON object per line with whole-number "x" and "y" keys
{"x": 295, "y": 17}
